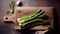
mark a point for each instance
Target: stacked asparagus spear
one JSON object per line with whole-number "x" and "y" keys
{"x": 33, "y": 19}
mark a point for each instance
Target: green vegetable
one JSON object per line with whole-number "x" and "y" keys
{"x": 11, "y": 6}
{"x": 35, "y": 18}
{"x": 50, "y": 27}
{"x": 33, "y": 23}
{"x": 28, "y": 17}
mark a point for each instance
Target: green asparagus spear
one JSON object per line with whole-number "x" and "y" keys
{"x": 32, "y": 19}
{"x": 35, "y": 20}
{"x": 11, "y": 6}
{"x": 33, "y": 23}
{"x": 28, "y": 17}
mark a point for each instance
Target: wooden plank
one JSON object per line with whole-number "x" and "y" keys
{"x": 22, "y": 11}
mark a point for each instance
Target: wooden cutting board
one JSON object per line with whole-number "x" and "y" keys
{"x": 22, "y": 11}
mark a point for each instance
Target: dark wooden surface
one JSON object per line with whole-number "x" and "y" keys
{"x": 7, "y": 29}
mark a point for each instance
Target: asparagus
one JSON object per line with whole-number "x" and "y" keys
{"x": 33, "y": 23}
{"x": 35, "y": 18}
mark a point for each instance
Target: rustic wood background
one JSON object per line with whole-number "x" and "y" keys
{"x": 4, "y": 5}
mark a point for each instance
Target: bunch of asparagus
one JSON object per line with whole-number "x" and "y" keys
{"x": 35, "y": 18}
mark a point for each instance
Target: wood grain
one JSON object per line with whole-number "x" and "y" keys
{"x": 22, "y": 11}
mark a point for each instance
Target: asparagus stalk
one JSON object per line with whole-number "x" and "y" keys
{"x": 11, "y": 6}
{"x": 28, "y": 17}
{"x": 33, "y": 23}
{"x": 32, "y": 19}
